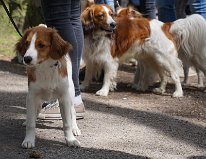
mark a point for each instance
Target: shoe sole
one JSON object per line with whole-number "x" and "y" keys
{"x": 57, "y": 116}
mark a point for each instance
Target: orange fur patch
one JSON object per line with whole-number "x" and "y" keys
{"x": 63, "y": 69}
{"x": 130, "y": 12}
{"x": 127, "y": 32}
{"x": 165, "y": 29}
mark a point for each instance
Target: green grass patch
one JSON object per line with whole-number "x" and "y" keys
{"x": 8, "y": 35}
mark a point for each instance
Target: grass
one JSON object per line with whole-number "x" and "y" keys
{"x": 8, "y": 35}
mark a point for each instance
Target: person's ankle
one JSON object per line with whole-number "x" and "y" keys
{"x": 78, "y": 100}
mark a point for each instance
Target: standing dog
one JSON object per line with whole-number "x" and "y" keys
{"x": 136, "y": 38}
{"x": 190, "y": 35}
{"x": 98, "y": 27}
{"x": 49, "y": 71}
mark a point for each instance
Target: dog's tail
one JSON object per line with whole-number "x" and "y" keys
{"x": 188, "y": 33}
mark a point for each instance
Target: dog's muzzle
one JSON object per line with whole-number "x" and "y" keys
{"x": 27, "y": 59}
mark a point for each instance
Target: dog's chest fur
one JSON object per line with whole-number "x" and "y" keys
{"x": 97, "y": 47}
{"x": 47, "y": 76}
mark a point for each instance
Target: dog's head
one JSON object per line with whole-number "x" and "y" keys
{"x": 40, "y": 43}
{"x": 98, "y": 17}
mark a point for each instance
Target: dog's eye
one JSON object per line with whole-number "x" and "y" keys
{"x": 27, "y": 43}
{"x": 100, "y": 16}
{"x": 41, "y": 46}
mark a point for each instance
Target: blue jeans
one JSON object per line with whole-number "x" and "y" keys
{"x": 199, "y": 7}
{"x": 109, "y": 2}
{"x": 166, "y": 10}
{"x": 146, "y": 7}
{"x": 64, "y": 15}
{"x": 180, "y": 7}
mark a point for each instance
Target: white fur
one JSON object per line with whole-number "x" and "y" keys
{"x": 190, "y": 35}
{"x": 49, "y": 84}
{"x": 109, "y": 18}
{"x": 164, "y": 55}
{"x": 97, "y": 57}
{"x": 31, "y": 51}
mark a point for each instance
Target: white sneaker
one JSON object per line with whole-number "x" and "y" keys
{"x": 51, "y": 111}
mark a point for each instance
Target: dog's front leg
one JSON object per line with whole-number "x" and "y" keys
{"x": 31, "y": 105}
{"x": 110, "y": 71}
{"x": 88, "y": 77}
{"x": 69, "y": 120}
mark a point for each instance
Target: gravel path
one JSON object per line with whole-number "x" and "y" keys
{"x": 124, "y": 125}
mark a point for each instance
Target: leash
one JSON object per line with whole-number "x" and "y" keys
{"x": 9, "y": 15}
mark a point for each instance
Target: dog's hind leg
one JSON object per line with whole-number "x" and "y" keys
{"x": 200, "y": 77}
{"x": 168, "y": 62}
{"x": 163, "y": 83}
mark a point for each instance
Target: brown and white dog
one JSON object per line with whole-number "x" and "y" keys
{"x": 99, "y": 25}
{"x": 138, "y": 38}
{"x": 189, "y": 34}
{"x": 49, "y": 71}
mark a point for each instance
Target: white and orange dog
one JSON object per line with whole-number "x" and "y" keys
{"x": 189, "y": 35}
{"x": 97, "y": 47}
{"x": 134, "y": 37}
{"x": 49, "y": 71}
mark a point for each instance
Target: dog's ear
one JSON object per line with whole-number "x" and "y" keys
{"x": 59, "y": 47}
{"x": 21, "y": 46}
{"x": 133, "y": 13}
{"x": 87, "y": 19}
{"x": 89, "y": 3}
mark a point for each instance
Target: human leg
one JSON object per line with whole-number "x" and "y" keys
{"x": 180, "y": 7}
{"x": 64, "y": 15}
{"x": 166, "y": 10}
{"x": 108, "y": 2}
{"x": 198, "y": 7}
{"x": 148, "y": 9}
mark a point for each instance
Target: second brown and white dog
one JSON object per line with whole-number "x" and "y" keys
{"x": 189, "y": 35}
{"x": 136, "y": 38}
{"x": 49, "y": 71}
{"x": 99, "y": 26}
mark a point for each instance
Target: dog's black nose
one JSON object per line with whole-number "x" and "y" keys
{"x": 113, "y": 25}
{"x": 27, "y": 59}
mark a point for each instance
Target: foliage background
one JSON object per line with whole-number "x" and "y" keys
{"x": 26, "y": 13}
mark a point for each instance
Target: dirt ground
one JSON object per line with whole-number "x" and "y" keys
{"x": 125, "y": 125}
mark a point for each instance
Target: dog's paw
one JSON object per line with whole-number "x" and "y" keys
{"x": 28, "y": 144}
{"x": 73, "y": 142}
{"x": 113, "y": 86}
{"x": 102, "y": 92}
{"x": 177, "y": 94}
{"x": 201, "y": 85}
{"x": 76, "y": 131}
{"x": 158, "y": 91}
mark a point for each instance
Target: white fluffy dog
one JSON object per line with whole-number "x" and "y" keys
{"x": 190, "y": 36}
